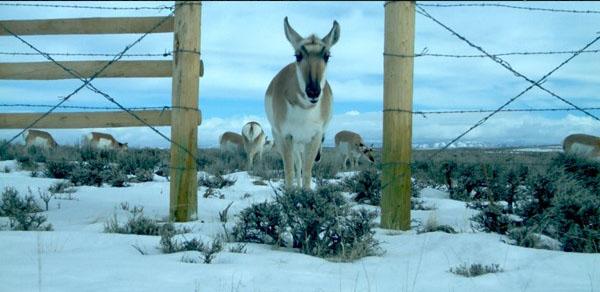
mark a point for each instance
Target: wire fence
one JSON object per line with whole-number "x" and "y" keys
{"x": 420, "y": 9}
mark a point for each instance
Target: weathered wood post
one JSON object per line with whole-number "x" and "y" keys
{"x": 397, "y": 114}
{"x": 184, "y": 121}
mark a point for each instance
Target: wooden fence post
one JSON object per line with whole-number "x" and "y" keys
{"x": 184, "y": 122}
{"x": 397, "y": 116}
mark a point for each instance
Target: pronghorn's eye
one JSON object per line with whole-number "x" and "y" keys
{"x": 326, "y": 57}
{"x": 298, "y": 57}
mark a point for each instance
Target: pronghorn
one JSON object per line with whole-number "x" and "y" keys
{"x": 254, "y": 141}
{"x": 104, "y": 141}
{"x": 298, "y": 104}
{"x": 350, "y": 145}
{"x": 582, "y": 144}
{"x": 231, "y": 141}
{"x": 39, "y": 138}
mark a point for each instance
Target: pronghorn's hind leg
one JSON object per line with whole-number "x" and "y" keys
{"x": 310, "y": 152}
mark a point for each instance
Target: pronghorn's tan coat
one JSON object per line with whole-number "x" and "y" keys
{"x": 104, "y": 141}
{"x": 231, "y": 141}
{"x": 582, "y": 144}
{"x": 254, "y": 141}
{"x": 39, "y": 138}
{"x": 350, "y": 146}
{"x": 298, "y": 103}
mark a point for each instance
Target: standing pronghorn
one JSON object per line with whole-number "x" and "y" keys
{"x": 39, "y": 138}
{"x": 350, "y": 145}
{"x": 298, "y": 104}
{"x": 104, "y": 141}
{"x": 582, "y": 144}
{"x": 254, "y": 141}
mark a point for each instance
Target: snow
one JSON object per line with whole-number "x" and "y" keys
{"x": 78, "y": 255}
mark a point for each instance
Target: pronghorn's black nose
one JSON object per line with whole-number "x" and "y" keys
{"x": 313, "y": 90}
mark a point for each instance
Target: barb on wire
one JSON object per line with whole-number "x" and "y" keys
{"x": 511, "y": 7}
{"x": 458, "y": 56}
{"x": 86, "y": 82}
{"x": 159, "y": 8}
{"x": 506, "y": 65}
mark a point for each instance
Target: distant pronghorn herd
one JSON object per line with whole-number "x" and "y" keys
{"x": 94, "y": 139}
{"x": 298, "y": 105}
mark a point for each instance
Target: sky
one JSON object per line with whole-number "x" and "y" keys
{"x": 243, "y": 46}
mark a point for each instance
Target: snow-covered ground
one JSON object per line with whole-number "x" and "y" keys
{"x": 79, "y": 256}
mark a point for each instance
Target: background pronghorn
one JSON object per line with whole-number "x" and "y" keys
{"x": 254, "y": 141}
{"x": 39, "y": 138}
{"x": 350, "y": 145}
{"x": 104, "y": 141}
{"x": 582, "y": 144}
{"x": 298, "y": 104}
{"x": 231, "y": 141}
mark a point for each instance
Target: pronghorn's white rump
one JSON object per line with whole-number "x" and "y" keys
{"x": 350, "y": 146}
{"x": 254, "y": 141}
{"x": 298, "y": 104}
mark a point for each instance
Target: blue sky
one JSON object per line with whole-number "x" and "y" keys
{"x": 243, "y": 47}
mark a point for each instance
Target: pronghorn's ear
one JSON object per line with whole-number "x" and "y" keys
{"x": 293, "y": 37}
{"x": 333, "y": 36}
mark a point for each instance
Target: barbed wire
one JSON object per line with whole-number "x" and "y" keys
{"x": 159, "y": 8}
{"x": 417, "y": 112}
{"x": 577, "y": 11}
{"x": 469, "y": 111}
{"x": 165, "y": 107}
{"x": 165, "y": 54}
{"x": 425, "y": 53}
{"x": 86, "y": 82}
{"x": 504, "y": 64}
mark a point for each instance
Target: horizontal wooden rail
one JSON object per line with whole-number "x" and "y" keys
{"x": 77, "y": 120}
{"x": 96, "y": 25}
{"x": 51, "y": 71}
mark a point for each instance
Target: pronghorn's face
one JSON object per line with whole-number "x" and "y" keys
{"x": 312, "y": 55}
{"x": 367, "y": 151}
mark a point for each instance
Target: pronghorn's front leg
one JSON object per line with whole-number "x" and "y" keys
{"x": 287, "y": 148}
{"x": 310, "y": 153}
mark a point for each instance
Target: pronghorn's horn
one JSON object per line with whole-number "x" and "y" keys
{"x": 333, "y": 36}
{"x": 291, "y": 34}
